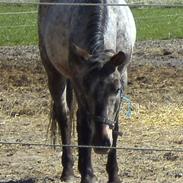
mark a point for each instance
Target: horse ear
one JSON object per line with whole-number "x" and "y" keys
{"x": 79, "y": 52}
{"x": 78, "y": 58}
{"x": 119, "y": 59}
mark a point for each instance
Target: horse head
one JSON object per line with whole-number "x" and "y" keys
{"x": 98, "y": 85}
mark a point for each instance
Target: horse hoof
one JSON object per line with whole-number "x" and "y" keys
{"x": 67, "y": 179}
{"x": 115, "y": 181}
{"x": 92, "y": 179}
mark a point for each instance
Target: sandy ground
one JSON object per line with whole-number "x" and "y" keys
{"x": 156, "y": 91}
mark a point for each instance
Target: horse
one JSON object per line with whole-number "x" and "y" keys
{"x": 85, "y": 51}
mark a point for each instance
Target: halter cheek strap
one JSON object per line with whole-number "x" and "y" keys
{"x": 105, "y": 120}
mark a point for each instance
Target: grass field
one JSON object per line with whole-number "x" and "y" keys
{"x": 10, "y": 25}
{"x": 152, "y": 23}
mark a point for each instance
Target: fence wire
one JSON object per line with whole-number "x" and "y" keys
{"x": 159, "y": 18}
{"x": 17, "y": 26}
{"x": 140, "y": 17}
{"x": 177, "y": 150}
{"x": 133, "y": 5}
{"x": 19, "y": 13}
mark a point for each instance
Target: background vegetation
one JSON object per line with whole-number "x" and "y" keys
{"x": 152, "y": 23}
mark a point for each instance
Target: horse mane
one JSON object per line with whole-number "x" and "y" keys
{"x": 96, "y": 26}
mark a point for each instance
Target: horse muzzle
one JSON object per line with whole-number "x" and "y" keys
{"x": 103, "y": 140}
{"x": 101, "y": 150}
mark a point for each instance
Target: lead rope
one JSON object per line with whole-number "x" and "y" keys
{"x": 129, "y": 112}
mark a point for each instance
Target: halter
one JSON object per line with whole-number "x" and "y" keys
{"x": 105, "y": 120}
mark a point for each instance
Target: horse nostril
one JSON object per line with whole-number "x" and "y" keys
{"x": 106, "y": 142}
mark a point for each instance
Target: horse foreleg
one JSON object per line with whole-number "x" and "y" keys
{"x": 85, "y": 138}
{"x": 112, "y": 165}
{"x": 57, "y": 86}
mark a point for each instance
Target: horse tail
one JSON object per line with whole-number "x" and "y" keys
{"x": 53, "y": 126}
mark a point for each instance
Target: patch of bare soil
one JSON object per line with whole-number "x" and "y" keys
{"x": 156, "y": 91}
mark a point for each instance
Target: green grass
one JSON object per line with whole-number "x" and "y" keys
{"x": 11, "y": 33}
{"x": 152, "y": 24}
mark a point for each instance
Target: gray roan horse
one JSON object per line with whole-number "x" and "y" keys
{"x": 86, "y": 50}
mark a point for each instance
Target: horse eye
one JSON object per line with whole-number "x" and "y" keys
{"x": 115, "y": 89}
{"x": 118, "y": 91}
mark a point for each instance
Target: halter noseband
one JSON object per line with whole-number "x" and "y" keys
{"x": 103, "y": 120}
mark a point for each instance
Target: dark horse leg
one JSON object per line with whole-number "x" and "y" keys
{"x": 57, "y": 86}
{"x": 112, "y": 165}
{"x": 85, "y": 138}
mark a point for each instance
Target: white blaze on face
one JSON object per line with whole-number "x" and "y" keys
{"x": 107, "y": 132}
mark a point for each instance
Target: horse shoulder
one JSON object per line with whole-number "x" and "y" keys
{"x": 54, "y": 32}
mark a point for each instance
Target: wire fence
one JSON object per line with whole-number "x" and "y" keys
{"x": 18, "y": 26}
{"x": 139, "y": 17}
{"x": 177, "y": 150}
{"x": 18, "y": 13}
{"x": 132, "y": 5}
{"x": 159, "y": 18}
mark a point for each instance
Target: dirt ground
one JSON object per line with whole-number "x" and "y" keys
{"x": 156, "y": 89}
